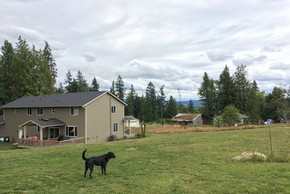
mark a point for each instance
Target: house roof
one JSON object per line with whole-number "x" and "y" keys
{"x": 51, "y": 122}
{"x": 185, "y": 117}
{"x": 57, "y": 100}
{"x": 241, "y": 116}
{"x": 129, "y": 118}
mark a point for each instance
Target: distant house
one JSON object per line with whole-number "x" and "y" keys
{"x": 187, "y": 119}
{"x": 89, "y": 116}
{"x": 243, "y": 119}
{"x": 130, "y": 121}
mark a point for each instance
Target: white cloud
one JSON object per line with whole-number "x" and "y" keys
{"x": 167, "y": 42}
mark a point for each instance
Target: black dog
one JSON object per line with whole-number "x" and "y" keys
{"x": 98, "y": 161}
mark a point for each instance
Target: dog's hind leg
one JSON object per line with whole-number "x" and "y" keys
{"x": 86, "y": 169}
{"x": 91, "y": 170}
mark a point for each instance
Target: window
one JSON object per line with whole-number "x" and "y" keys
{"x": 16, "y": 110}
{"x": 74, "y": 111}
{"x": 39, "y": 111}
{"x": 113, "y": 109}
{"x": 29, "y": 111}
{"x": 71, "y": 131}
{"x": 115, "y": 127}
{"x": 52, "y": 110}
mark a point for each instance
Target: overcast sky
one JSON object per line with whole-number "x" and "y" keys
{"x": 170, "y": 42}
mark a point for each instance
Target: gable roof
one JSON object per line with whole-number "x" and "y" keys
{"x": 185, "y": 117}
{"x": 57, "y": 100}
{"x": 52, "y": 122}
{"x": 129, "y": 118}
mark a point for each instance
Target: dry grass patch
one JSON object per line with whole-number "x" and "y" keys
{"x": 188, "y": 128}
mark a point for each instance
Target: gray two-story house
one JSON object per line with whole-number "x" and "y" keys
{"x": 93, "y": 116}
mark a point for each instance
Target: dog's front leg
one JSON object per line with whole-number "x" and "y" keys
{"x": 104, "y": 170}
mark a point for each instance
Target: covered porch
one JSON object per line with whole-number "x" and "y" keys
{"x": 44, "y": 132}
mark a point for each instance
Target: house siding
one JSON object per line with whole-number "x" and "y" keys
{"x": 94, "y": 120}
{"x": 13, "y": 120}
{"x": 100, "y": 119}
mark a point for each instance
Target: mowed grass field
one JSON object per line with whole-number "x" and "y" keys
{"x": 183, "y": 162}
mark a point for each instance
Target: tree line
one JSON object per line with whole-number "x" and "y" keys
{"x": 244, "y": 95}
{"x": 27, "y": 71}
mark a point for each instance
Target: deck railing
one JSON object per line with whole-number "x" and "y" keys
{"x": 50, "y": 142}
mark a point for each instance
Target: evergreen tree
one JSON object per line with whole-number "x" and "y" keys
{"x": 225, "y": 89}
{"x": 50, "y": 65}
{"x": 112, "y": 89}
{"x": 161, "y": 103}
{"x": 7, "y": 75}
{"x": 77, "y": 84}
{"x": 25, "y": 71}
{"x": 119, "y": 88}
{"x": 68, "y": 81}
{"x": 181, "y": 108}
{"x": 139, "y": 104}
{"x": 190, "y": 107}
{"x": 130, "y": 109}
{"x": 207, "y": 94}
{"x": 95, "y": 85}
{"x": 60, "y": 89}
{"x": 243, "y": 89}
{"x": 171, "y": 108}
{"x": 150, "y": 109}
{"x": 82, "y": 85}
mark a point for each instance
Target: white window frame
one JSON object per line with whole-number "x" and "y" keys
{"x": 67, "y": 131}
{"x": 29, "y": 111}
{"x": 115, "y": 128}
{"x": 39, "y": 111}
{"x": 113, "y": 109}
{"x": 74, "y": 111}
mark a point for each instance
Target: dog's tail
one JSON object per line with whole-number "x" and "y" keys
{"x": 84, "y": 157}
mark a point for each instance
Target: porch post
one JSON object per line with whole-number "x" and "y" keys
{"x": 24, "y": 132}
{"x": 41, "y": 134}
{"x": 129, "y": 127}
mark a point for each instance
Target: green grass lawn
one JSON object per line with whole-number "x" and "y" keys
{"x": 189, "y": 162}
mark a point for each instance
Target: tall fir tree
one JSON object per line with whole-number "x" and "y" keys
{"x": 120, "y": 88}
{"x": 243, "y": 89}
{"x": 130, "y": 109}
{"x": 191, "y": 107}
{"x": 225, "y": 90}
{"x": 95, "y": 85}
{"x": 25, "y": 71}
{"x": 112, "y": 89}
{"x": 161, "y": 103}
{"x": 81, "y": 82}
{"x": 150, "y": 109}
{"x": 7, "y": 74}
{"x": 207, "y": 94}
{"x": 171, "y": 108}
